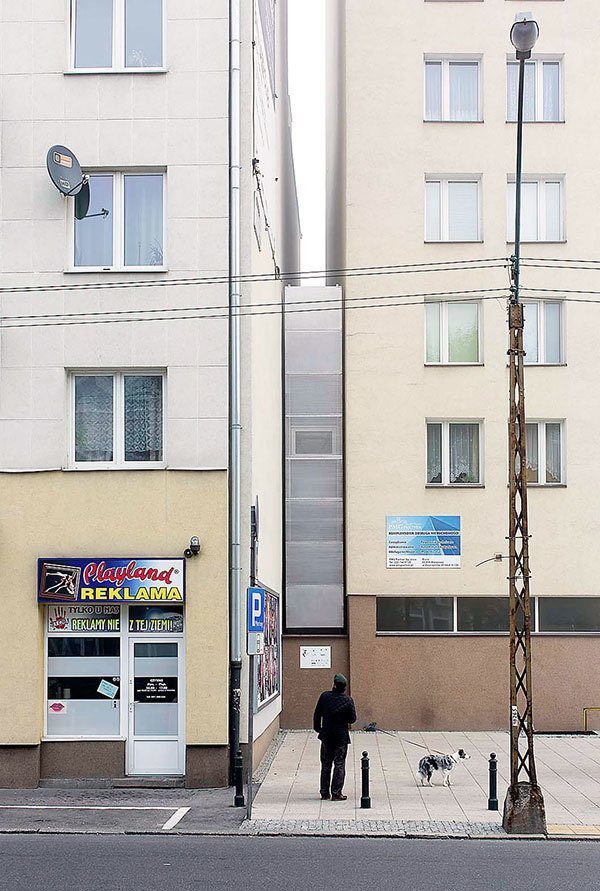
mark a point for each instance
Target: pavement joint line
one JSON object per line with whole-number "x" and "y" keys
{"x": 176, "y": 818}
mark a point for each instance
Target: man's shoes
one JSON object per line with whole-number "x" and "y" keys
{"x": 325, "y": 795}
{"x": 339, "y": 797}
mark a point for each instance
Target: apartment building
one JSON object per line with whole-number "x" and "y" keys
{"x": 115, "y": 379}
{"x": 421, "y": 161}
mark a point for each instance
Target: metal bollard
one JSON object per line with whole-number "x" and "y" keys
{"x": 493, "y": 799}
{"x": 365, "y": 799}
{"x": 238, "y": 775}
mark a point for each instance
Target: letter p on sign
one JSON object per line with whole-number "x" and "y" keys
{"x": 256, "y": 610}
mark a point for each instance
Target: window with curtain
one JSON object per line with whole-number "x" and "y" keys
{"x": 452, "y": 90}
{"x": 131, "y": 234}
{"x": 118, "y": 418}
{"x": 542, "y": 334}
{"x": 452, "y": 332}
{"x": 453, "y": 453}
{"x": 118, "y": 34}
{"x": 542, "y": 95}
{"x": 542, "y": 216}
{"x": 452, "y": 210}
{"x": 544, "y": 452}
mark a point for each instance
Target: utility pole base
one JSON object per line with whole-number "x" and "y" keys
{"x": 524, "y": 810}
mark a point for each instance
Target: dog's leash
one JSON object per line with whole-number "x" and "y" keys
{"x": 373, "y": 728}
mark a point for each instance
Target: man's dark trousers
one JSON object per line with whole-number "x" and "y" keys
{"x": 333, "y": 755}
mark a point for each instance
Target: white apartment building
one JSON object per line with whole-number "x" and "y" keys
{"x": 115, "y": 422}
{"x": 421, "y": 161}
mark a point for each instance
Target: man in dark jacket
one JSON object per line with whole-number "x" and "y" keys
{"x": 334, "y": 713}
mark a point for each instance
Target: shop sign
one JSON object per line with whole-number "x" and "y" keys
{"x": 148, "y": 619}
{"x": 155, "y": 689}
{"x": 111, "y": 579}
{"x": 108, "y": 689}
{"x": 84, "y": 618}
{"x": 423, "y": 542}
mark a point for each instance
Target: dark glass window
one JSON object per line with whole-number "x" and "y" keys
{"x": 80, "y": 688}
{"x": 415, "y": 614}
{"x": 569, "y": 614}
{"x": 483, "y": 614}
{"x": 83, "y": 646}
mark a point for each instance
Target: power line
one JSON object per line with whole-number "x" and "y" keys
{"x": 408, "y": 268}
{"x": 487, "y": 295}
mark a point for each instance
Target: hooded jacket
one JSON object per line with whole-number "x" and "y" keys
{"x": 334, "y": 713}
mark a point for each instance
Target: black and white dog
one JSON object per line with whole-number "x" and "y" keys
{"x": 445, "y": 763}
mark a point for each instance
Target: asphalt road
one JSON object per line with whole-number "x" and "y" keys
{"x": 155, "y": 863}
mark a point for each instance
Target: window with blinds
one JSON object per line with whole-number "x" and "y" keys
{"x": 314, "y": 463}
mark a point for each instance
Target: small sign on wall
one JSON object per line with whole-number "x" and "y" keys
{"x": 315, "y": 657}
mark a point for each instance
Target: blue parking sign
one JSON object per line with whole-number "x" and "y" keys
{"x": 256, "y": 610}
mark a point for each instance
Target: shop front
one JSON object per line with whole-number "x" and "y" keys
{"x": 115, "y": 657}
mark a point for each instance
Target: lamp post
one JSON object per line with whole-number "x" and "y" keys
{"x": 524, "y": 810}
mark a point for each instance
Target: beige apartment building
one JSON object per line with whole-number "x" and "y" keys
{"x": 117, "y": 416}
{"x": 421, "y": 159}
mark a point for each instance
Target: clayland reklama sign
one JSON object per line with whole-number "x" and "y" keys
{"x": 111, "y": 579}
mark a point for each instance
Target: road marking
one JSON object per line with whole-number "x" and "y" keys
{"x": 82, "y": 807}
{"x": 174, "y": 820}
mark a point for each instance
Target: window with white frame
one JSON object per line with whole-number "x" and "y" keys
{"x": 125, "y": 225}
{"x": 454, "y": 453}
{"x": 117, "y": 34}
{"x": 542, "y": 209}
{"x": 452, "y": 332}
{"x": 117, "y": 418}
{"x": 452, "y": 209}
{"x": 544, "y": 449}
{"x": 543, "y": 332}
{"x": 452, "y": 89}
{"x": 542, "y": 95}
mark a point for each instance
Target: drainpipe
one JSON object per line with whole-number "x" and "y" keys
{"x": 235, "y": 426}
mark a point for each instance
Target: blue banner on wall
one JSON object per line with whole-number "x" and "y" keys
{"x": 111, "y": 579}
{"x": 423, "y": 542}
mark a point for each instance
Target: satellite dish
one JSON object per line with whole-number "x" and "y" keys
{"x": 65, "y": 170}
{"x": 82, "y": 201}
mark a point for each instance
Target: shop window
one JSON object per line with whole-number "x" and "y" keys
{"x": 117, "y": 419}
{"x": 117, "y": 34}
{"x": 415, "y": 614}
{"x": 84, "y": 686}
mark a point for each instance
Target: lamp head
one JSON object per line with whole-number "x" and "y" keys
{"x": 524, "y": 34}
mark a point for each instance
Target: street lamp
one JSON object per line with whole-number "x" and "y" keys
{"x": 524, "y": 810}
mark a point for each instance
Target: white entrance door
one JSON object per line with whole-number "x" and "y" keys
{"x": 156, "y": 741}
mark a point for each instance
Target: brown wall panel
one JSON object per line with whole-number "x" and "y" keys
{"x": 302, "y": 686}
{"x": 19, "y": 767}
{"x": 206, "y": 767}
{"x": 461, "y": 683}
{"x": 82, "y": 759}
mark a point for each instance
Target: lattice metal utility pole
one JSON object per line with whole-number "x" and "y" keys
{"x": 524, "y": 810}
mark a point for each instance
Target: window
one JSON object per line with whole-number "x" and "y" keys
{"x": 117, "y": 34}
{"x": 452, "y": 332}
{"x": 542, "y": 334}
{"x": 544, "y": 452}
{"x": 542, "y": 98}
{"x": 131, "y": 234}
{"x": 569, "y": 614}
{"x": 453, "y": 453}
{"x": 452, "y": 90}
{"x": 452, "y": 209}
{"x": 541, "y": 210}
{"x": 482, "y": 614}
{"x": 117, "y": 419}
{"x": 406, "y": 614}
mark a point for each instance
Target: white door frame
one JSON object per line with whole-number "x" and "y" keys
{"x": 179, "y": 639}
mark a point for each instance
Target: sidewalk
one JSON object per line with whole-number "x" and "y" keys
{"x": 288, "y": 801}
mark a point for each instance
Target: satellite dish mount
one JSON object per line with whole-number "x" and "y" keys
{"x": 65, "y": 172}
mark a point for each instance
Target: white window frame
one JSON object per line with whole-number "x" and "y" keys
{"x": 118, "y": 46}
{"x": 541, "y": 425}
{"x": 118, "y": 376}
{"x": 446, "y": 61}
{"x": 444, "y": 180}
{"x": 118, "y": 223}
{"x": 443, "y": 306}
{"x": 541, "y": 181}
{"x": 538, "y": 61}
{"x": 446, "y": 422}
{"x": 541, "y": 332}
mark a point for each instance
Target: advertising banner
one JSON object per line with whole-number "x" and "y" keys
{"x": 111, "y": 579}
{"x": 82, "y": 618}
{"x": 268, "y": 664}
{"x": 423, "y": 542}
{"x": 150, "y": 619}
